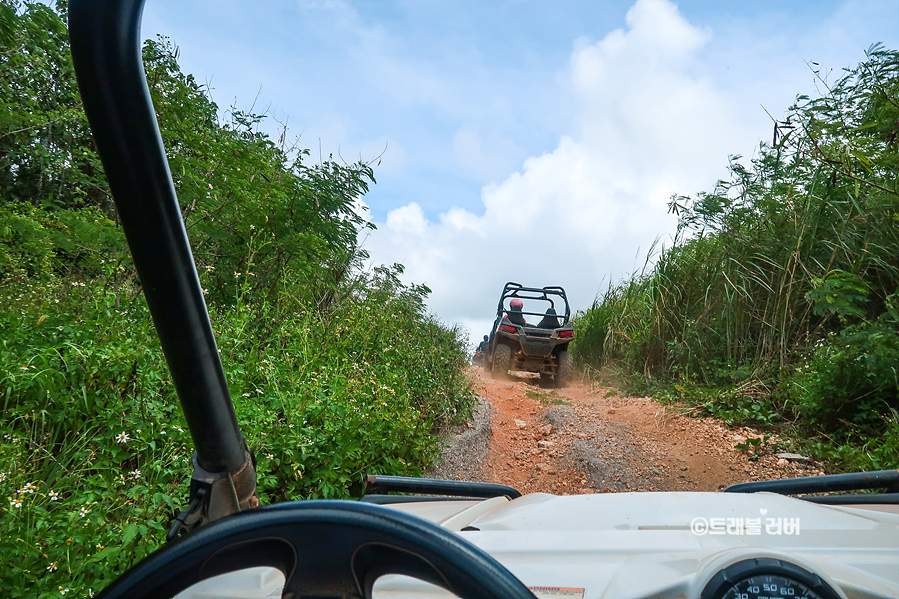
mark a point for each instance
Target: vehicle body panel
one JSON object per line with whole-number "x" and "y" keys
{"x": 634, "y": 545}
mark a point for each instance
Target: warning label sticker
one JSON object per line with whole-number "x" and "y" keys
{"x": 557, "y": 592}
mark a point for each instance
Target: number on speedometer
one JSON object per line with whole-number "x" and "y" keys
{"x": 770, "y": 587}
{"x": 766, "y": 578}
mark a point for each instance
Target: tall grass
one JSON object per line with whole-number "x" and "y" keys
{"x": 789, "y": 267}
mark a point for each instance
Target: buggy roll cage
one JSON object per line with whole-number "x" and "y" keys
{"x": 512, "y": 289}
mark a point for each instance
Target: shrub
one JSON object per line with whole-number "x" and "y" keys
{"x": 94, "y": 454}
{"x": 851, "y": 380}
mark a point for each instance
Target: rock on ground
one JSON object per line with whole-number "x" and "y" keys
{"x": 466, "y": 449}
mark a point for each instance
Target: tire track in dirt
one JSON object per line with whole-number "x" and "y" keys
{"x": 589, "y": 439}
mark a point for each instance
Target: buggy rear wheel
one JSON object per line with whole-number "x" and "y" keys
{"x": 565, "y": 373}
{"x": 502, "y": 357}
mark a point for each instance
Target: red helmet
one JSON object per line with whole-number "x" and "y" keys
{"x": 516, "y": 303}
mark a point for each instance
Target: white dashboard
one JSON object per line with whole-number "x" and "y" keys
{"x": 653, "y": 545}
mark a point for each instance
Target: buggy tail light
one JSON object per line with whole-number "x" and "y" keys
{"x": 565, "y": 334}
{"x": 509, "y": 328}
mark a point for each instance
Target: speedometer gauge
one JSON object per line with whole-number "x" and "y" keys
{"x": 766, "y": 578}
{"x": 768, "y": 587}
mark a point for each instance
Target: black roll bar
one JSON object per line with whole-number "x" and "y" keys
{"x": 854, "y": 481}
{"x": 512, "y": 289}
{"x": 106, "y": 50}
{"x": 377, "y": 484}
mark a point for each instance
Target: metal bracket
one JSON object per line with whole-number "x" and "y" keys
{"x": 214, "y": 495}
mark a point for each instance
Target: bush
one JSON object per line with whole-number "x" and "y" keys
{"x": 872, "y": 453}
{"x": 25, "y": 245}
{"x": 851, "y": 382}
{"x": 36, "y": 243}
{"x": 335, "y": 373}
{"x": 94, "y": 454}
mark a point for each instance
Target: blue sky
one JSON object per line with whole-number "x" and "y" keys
{"x": 529, "y": 141}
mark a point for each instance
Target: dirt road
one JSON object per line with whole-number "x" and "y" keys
{"x": 589, "y": 439}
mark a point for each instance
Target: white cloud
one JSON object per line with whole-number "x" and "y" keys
{"x": 643, "y": 128}
{"x": 408, "y": 220}
{"x": 486, "y": 157}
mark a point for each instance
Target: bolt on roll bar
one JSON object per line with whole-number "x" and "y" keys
{"x": 106, "y": 51}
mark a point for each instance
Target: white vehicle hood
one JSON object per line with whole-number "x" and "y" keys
{"x": 642, "y": 544}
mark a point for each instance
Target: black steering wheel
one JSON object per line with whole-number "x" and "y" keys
{"x": 334, "y": 549}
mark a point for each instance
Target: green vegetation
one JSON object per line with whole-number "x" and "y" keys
{"x": 335, "y": 372}
{"x": 546, "y": 398}
{"x": 778, "y": 302}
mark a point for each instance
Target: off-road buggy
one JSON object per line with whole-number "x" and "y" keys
{"x": 480, "y": 357}
{"x": 479, "y": 541}
{"x": 540, "y": 345}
